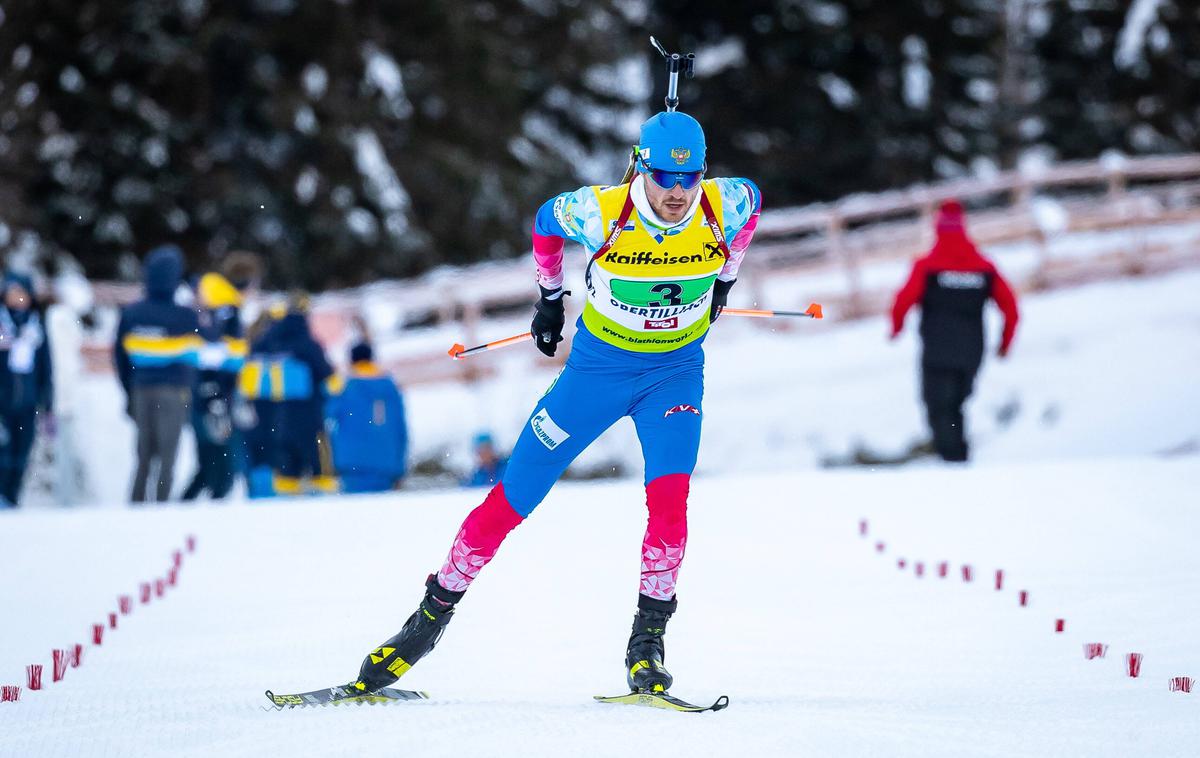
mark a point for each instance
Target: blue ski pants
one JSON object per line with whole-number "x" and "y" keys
{"x": 600, "y": 384}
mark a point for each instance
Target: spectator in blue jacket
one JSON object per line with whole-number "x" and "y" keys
{"x": 26, "y": 390}
{"x": 367, "y": 427}
{"x": 295, "y": 373}
{"x": 489, "y": 464}
{"x": 155, "y": 353}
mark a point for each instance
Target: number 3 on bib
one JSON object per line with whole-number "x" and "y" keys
{"x": 670, "y": 292}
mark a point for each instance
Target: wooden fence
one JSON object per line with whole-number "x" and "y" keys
{"x": 834, "y": 244}
{"x": 1012, "y": 207}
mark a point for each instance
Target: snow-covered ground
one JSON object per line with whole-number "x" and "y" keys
{"x": 823, "y": 645}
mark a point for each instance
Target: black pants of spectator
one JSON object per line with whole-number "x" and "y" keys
{"x": 16, "y": 439}
{"x": 299, "y": 455}
{"x": 215, "y": 472}
{"x": 944, "y": 391}
{"x": 159, "y": 411}
{"x": 216, "y": 460}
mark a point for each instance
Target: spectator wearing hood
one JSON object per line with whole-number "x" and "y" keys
{"x": 290, "y": 373}
{"x": 155, "y": 353}
{"x": 367, "y": 427}
{"x": 952, "y": 283}
{"x": 26, "y": 387}
{"x": 220, "y": 360}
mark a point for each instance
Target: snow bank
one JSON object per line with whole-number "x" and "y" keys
{"x": 823, "y": 646}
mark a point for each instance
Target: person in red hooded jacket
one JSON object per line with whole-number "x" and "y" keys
{"x": 952, "y": 283}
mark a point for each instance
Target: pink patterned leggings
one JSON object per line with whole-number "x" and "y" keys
{"x": 662, "y": 548}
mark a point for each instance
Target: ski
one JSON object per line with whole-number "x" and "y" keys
{"x": 343, "y": 694}
{"x": 663, "y": 700}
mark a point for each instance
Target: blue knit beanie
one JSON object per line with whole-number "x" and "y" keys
{"x": 672, "y": 141}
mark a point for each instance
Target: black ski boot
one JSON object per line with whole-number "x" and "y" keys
{"x": 644, "y": 656}
{"x": 421, "y": 632}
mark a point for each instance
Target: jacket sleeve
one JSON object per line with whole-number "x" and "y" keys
{"x": 1003, "y": 294}
{"x": 318, "y": 364}
{"x": 742, "y": 201}
{"x": 909, "y": 295}
{"x": 333, "y": 404}
{"x": 402, "y": 435}
{"x": 549, "y": 238}
{"x": 189, "y": 323}
{"x": 120, "y": 357}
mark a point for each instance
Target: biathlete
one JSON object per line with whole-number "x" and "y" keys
{"x": 665, "y": 250}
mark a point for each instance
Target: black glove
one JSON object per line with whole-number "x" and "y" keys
{"x": 720, "y": 297}
{"x": 548, "y": 320}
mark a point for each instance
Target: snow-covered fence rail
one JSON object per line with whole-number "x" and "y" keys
{"x": 1013, "y": 209}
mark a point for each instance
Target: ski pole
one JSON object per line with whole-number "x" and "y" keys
{"x": 458, "y": 351}
{"x": 462, "y": 351}
{"x": 813, "y": 311}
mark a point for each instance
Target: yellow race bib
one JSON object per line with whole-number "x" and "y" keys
{"x": 652, "y": 296}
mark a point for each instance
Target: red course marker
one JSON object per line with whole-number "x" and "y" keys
{"x": 944, "y": 569}
{"x": 60, "y": 658}
{"x": 1059, "y": 625}
{"x": 33, "y": 676}
{"x": 125, "y": 603}
{"x": 999, "y": 579}
{"x": 967, "y": 575}
{"x": 112, "y": 621}
{"x": 97, "y": 633}
{"x": 919, "y": 568}
{"x": 1094, "y": 650}
{"x": 10, "y": 694}
{"x": 879, "y": 547}
{"x": 1181, "y": 683}
{"x": 862, "y": 527}
{"x": 1133, "y": 663}
{"x": 1024, "y": 598}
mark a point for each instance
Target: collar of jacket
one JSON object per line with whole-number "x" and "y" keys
{"x": 366, "y": 370}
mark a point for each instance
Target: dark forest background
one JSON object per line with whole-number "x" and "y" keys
{"x": 349, "y": 140}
